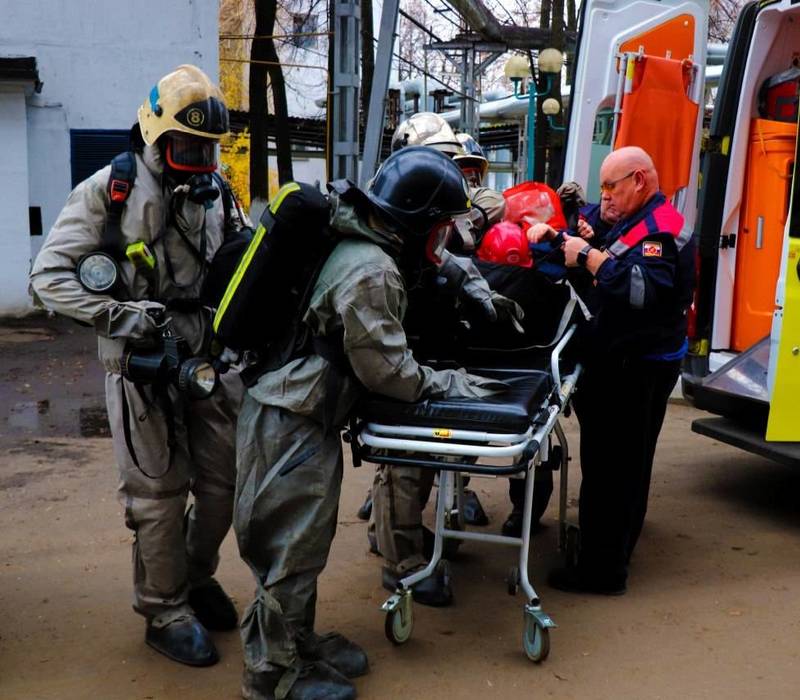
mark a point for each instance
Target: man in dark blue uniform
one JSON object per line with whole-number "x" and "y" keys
{"x": 643, "y": 279}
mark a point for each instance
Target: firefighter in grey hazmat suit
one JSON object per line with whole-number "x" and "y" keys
{"x": 165, "y": 445}
{"x": 289, "y": 463}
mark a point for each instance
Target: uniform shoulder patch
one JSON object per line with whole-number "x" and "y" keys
{"x": 651, "y": 249}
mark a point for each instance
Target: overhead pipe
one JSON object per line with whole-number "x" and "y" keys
{"x": 508, "y": 108}
{"x": 480, "y": 20}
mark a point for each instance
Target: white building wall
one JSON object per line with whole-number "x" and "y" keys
{"x": 14, "y": 243}
{"x": 97, "y": 61}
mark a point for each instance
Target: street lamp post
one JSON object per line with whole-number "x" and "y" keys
{"x": 550, "y": 107}
{"x": 516, "y": 70}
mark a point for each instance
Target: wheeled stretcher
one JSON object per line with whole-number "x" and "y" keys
{"x": 510, "y": 435}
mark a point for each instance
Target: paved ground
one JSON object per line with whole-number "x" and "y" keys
{"x": 712, "y": 611}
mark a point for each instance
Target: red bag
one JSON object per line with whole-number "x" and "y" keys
{"x": 531, "y": 203}
{"x": 778, "y": 96}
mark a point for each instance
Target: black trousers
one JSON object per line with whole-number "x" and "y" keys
{"x": 620, "y": 404}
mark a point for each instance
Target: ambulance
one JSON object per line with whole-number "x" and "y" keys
{"x": 645, "y": 60}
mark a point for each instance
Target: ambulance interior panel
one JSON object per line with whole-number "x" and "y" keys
{"x": 621, "y": 24}
{"x": 775, "y": 43}
{"x": 601, "y": 145}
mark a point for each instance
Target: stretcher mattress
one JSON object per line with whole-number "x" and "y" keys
{"x": 508, "y": 412}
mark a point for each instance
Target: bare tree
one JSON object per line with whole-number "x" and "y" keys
{"x": 722, "y": 18}
{"x": 283, "y": 139}
{"x": 301, "y": 26}
{"x": 265, "y": 62}
{"x": 411, "y": 39}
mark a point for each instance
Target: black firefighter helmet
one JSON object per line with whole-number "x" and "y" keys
{"x": 417, "y": 188}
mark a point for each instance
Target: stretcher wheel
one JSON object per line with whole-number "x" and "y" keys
{"x": 535, "y": 640}
{"x": 513, "y": 580}
{"x": 399, "y": 624}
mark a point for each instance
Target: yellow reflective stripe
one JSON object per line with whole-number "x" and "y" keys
{"x": 244, "y": 263}
{"x": 783, "y": 424}
{"x": 699, "y": 347}
{"x": 283, "y": 192}
{"x": 726, "y": 145}
{"x": 237, "y": 276}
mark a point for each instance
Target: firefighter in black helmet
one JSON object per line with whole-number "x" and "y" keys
{"x": 289, "y": 462}
{"x": 398, "y": 492}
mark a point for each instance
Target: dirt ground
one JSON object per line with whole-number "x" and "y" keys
{"x": 712, "y": 609}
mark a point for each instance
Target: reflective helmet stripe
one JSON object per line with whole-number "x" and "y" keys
{"x": 663, "y": 219}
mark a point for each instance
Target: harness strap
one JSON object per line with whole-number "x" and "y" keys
{"x": 164, "y": 403}
{"x": 120, "y": 184}
{"x": 126, "y": 426}
{"x": 229, "y": 204}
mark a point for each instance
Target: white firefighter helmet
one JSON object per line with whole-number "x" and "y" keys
{"x": 427, "y": 129}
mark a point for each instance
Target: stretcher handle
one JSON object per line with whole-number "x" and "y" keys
{"x": 467, "y": 467}
{"x": 555, "y": 356}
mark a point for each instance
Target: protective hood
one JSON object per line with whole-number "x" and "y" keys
{"x": 151, "y": 155}
{"x": 349, "y": 221}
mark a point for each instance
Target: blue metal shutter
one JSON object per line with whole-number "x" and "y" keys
{"x": 93, "y": 149}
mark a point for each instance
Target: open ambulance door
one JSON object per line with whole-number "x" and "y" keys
{"x": 639, "y": 71}
{"x": 783, "y": 424}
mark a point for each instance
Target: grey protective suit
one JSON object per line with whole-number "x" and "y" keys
{"x": 489, "y": 207}
{"x": 172, "y": 549}
{"x": 399, "y": 493}
{"x": 289, "y": 468}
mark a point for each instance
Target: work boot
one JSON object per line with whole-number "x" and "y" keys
{"x": 434, "y": 591}
{"x": 335, "y": 650}
{"x": 512, "y": 527}
{"x": 575, "y": 579}
{"x": 373, "y": 542}
{"x": 542, "y": 491}
{"x": 474, "y": 514}
{"x": 184, "y": 640}
{"x": 365, "y": 511}
{"x": 213, "y": 607}
{"x": 316, "y": 681}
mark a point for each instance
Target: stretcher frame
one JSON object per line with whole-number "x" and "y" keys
{"x": 380, "y": 443}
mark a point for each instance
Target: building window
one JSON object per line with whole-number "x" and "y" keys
{"x": 302, "y": 25}
{"x": 93, "y": 149}
{"x": 35, "y": 220}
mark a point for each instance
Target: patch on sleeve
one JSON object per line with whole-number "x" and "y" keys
{"x": 651, "y": 249}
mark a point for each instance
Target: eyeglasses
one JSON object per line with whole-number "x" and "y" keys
{"x": 608, "y": 187}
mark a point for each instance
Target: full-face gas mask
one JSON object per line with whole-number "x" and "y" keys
{"x": 186, "y": 115}
{"x": 437, "y": 241}
{"x": 473, "y": 162}
{"x": 190, "y": 160}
